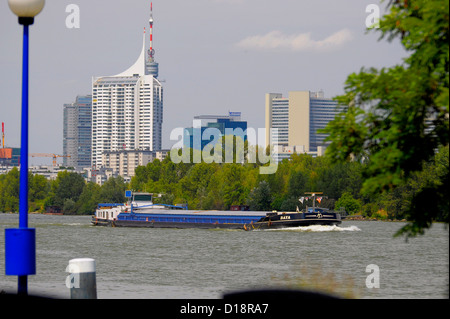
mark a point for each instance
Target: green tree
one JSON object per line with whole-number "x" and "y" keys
{"x": 427, "y": 194}
{"x": 195, "y": 183}
{"x": 69, "y": 207}
{"x": 214, "y": 199}
{"x": 351, "y": 205}
{"x": 335, "y": 179}
{"x": 139, "y": 179}
{"x": 290, "y": 204}
{"x": 397, "y": 117}
{"x": 113, "y": 190}
{"x": 233, "y": 192}
{"x": 9, "y": 191}
{"x": 260, "y": 198}
{"x": 89, "y": 199}
{"x": 68, "y": 185}
{"x": 38, "y": 187}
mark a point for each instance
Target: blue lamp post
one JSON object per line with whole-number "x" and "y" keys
{"x": 20, "y": 243}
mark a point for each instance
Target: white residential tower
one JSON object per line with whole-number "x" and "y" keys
{"x": 127, "y": 108}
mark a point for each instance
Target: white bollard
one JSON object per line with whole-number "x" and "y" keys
{"x": 82, "y": 282}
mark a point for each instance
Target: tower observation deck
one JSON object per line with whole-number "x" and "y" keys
{"x": 151, "y": 67}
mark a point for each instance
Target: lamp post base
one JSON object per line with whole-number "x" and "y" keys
{"x": 20, "y": 251}
{"x": 20, "y": 255}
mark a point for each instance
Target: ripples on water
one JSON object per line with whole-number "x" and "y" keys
{"x": 196, "y": 263}
{"x": 317, "y": 228}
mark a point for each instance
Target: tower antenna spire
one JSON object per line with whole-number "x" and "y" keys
{"x": 151, "y": 67}
{"x": 151, "y": 52}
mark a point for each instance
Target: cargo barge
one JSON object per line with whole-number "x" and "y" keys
{"x": 140, "y": 211}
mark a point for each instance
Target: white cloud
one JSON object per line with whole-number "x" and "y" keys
{"x": 276, "y": 40}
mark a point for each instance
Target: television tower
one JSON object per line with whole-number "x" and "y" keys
{"x": 151, "y": 65}
{"x": 151, "y": 52}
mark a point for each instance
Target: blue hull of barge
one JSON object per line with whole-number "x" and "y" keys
{"x": 184, "y": 218}
{"x": 228, "y": 220}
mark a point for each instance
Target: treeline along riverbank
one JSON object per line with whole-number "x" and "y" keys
{"x": 219, "y": 186}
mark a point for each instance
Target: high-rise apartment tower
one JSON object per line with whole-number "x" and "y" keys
{"x": 127, "y": 108}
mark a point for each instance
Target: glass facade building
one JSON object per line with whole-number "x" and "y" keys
{"x": 322, "y": 111}
{"x": 225, "y": 125}
{"x": 77, "y": 127}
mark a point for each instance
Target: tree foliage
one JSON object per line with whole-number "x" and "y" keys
{"x": 260, "y": 197}
{"x": 69, "y": 191}
{"x": 68, "y": 185}
{"x": 113, "y": 190}
{"x": 396, "y": 118}
{"x": 218, "y": 186}
{"x": 350, "y": 204}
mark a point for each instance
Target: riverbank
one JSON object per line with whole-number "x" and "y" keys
{"x": 364, "y": 218}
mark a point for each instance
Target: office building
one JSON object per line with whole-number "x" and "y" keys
{"x": 297, "y": 119}
{"x": 97, "y": 175}
{"x": 77, "y": 132}
{"x": 225, "y": 124}
{"x": 10, "y": 156}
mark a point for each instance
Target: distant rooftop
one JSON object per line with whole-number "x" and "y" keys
{"x": 233, "y": 116}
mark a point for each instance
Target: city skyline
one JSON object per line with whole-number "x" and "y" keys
{"x": 215, "y": 56}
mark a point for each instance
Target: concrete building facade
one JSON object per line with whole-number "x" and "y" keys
{"x": 124, "y": 163}
{"x": 297, "y": 120}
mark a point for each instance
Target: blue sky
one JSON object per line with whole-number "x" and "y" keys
{"x": 214, "y": 56}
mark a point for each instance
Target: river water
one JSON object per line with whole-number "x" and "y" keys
{"x": 347, "y": 260}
